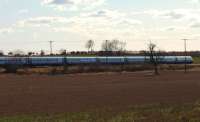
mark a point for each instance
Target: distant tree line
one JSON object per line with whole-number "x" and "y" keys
{"x": 108, "y": 47}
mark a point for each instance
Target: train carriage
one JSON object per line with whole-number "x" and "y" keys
{"x": 2, "y": 61}
{"x": 111, "y": 60}
{"x": 184, "y": 59}
{"x": 80, "y": 60}
{"x": 41, "y": 61}
{"x": 14, "y": 60}
{"x": 137, "y": 59}
{"x": 168, "y": 60}
{"x": 62, "y": 60}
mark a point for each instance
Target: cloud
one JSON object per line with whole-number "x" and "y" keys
{"x": 105, "y": 22}
{"x": 113, "y": 21}
{"x": 6, "y": 30}
{"x": 23, "y": 11}
{"x": 109, "y": 23}
{"x": 110, "y": 16}
{"x": 195, "y": 24}
{"x": 58, "y": 2}
{"x": 195, "y": 1}
{"x": 105, "y": 13}
{"x": 63, "y": 5}
{"x": 173, "y": 15}
{"x": 42, "y": 21}
{"x": 191, "y": 17}
{"x": 105, "y": 17}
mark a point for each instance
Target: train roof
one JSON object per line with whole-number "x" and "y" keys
{"x": 53, "y": 57}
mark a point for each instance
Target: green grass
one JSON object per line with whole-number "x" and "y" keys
{"x": 196, "y": 59}
{"x": 146, "y": 113}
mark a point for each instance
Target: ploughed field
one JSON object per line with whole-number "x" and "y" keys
{"x": 24, "y": 94}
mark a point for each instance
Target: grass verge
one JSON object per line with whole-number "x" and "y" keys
{"x": 196, "y": 59}
{"x": 144, "y": 113}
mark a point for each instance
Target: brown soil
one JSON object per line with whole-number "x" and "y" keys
{"x": 68, "y": 93}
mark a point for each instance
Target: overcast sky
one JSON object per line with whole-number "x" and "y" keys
{"x": 29, "y": 24}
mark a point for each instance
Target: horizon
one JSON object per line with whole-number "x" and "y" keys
{"x": 29, "y": 25}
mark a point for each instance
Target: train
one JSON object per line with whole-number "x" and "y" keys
{"x": 67, "y": 60}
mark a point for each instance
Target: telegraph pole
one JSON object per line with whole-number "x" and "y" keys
{"x": 51, "y": 47}
{"x": 185, "y": 48}
{"x": 106, "y": 51}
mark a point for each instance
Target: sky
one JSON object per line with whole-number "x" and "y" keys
{"x": 29, "y": 25}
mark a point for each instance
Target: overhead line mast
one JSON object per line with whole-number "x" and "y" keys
{"x": 51, "y": 47}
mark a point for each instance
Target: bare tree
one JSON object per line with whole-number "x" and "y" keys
{"x": 1, "y": 53}
{"x": 42, "y": 53}
{"x": 30, "y": 53}
{"x": 114, "y": 45}
{"x": 10, "y": 53}
{"x": 90, "y": 45}
{"x": 18, "y": 52}
{"x": 122, "y": 46}
{"x": 63, "y": 52}
{"x": 154, "y": 57}
{"x": 105, "y": 45}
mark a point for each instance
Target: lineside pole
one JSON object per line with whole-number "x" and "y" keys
{"x": 185, "y": 48}
{"x": 51, "y": 47}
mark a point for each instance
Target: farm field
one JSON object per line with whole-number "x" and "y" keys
{"x": 76, "y": 93}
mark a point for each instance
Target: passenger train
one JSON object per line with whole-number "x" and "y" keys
{"x": 63, "y": 60}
